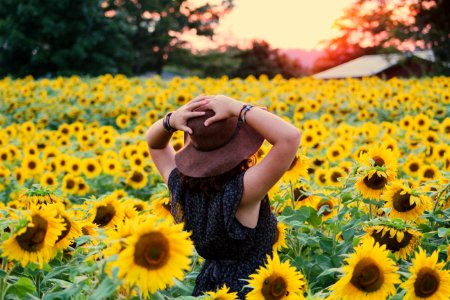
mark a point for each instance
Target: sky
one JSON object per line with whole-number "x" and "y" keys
{"x": 285, "y": 24}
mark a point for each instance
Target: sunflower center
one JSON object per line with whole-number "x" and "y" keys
{"x": 427, "y": 282}
{"x": 335, "y": 176}
{"x": 378, "y": 161}
{"x": 328, "y": 209}
{"x": 375, "y": 182}
{"x": 91, "y": 168}
{"x": 317, "y": 162}
{"x": 137, "y": 176}
{"x": 299, "y": 194}
{"x": 429, "y": 173}
{"x": 66, "y": 231}
{"x": 367, "y": 276}
{"x": 392, "y": 244}
{"x": 413, "y": 167}
{"x": 33, "y": 238}
{"x": 401, "y": 202}
{"x": 152, "y": 251}
{"x": 31, "y": 165}
{"x": 274, "y": 288}
{"x": 104, "y": 215}
{"x": 70, "y": 184}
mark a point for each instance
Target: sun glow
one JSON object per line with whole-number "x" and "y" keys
{"x": 283, "y": 23}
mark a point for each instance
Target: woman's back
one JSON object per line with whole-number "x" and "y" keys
{"x": 231, "y": 250}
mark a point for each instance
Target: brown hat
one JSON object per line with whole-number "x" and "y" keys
{"x": 215, "y": 149}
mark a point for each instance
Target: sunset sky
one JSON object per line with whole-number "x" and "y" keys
{"x": 282, "y": 23}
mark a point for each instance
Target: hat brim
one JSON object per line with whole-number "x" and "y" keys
{"x": 195, "y": 163}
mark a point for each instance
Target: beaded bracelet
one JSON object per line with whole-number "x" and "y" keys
{"x": 166, "y": 123}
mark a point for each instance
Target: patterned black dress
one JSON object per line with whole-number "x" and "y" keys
{"x": 231, "y": 251}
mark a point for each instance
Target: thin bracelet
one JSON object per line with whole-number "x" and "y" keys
{"x": 246, "y": 109}
{"x": 240, "y": 112}
{"x": 166, "y": 123}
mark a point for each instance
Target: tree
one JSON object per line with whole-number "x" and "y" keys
{"x": 374, "y": 26}
{"x": 262, "y": 59}
{"x": 158, "y": 25}
{"x": 61, "y": 37}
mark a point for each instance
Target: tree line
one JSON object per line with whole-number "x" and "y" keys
{"x": 133, "y": 37}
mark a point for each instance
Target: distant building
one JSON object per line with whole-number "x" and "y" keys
{"x": 415, "y": 64}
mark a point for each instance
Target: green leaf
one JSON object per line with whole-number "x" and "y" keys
{"x": 443, "y": 231}
{"x": 22, "y": 288}
{"x": 106, "y": 289}
{"x": 330, "y": 271}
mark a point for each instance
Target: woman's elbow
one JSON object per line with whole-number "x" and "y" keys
{"x": 293, "y": 138}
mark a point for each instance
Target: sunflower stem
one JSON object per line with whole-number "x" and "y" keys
{"x": 438, "y": 197}
{"x": 3, "y": 280}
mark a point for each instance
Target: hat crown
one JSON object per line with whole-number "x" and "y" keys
{"x": 213, "y": 136}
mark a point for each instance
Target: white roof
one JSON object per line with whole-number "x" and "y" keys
{"x": 368, "y": 65}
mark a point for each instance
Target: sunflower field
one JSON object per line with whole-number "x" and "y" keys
{"x": 363, "y": 212}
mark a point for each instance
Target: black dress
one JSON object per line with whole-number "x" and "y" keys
{"x": 231, "y": 251}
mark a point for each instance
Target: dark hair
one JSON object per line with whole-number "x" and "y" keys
{"x": 214, "y": 184}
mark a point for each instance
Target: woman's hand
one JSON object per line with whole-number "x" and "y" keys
{"x": 179, "y": 118}
{"x": 224, "y": 107}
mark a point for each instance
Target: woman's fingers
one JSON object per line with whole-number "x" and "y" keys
{"x": 211, "y": 120}
{"x": 197, "y": 104}
{"x": 193, "y": 114}
{"x": 186, "y": 129}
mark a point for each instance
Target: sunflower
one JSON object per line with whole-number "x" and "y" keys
{"x": 429, "y": 172}
{"x": 111, "y": 166}
{"x": 373, "y": 183}
{"x": 321, "y": 177}
{"x": 222, "y": 294}
{"x": 404, "y": 202}
{"x": 380, "y": 156}
{"x": 137, "y": 161}
{"x": 107, "y": 212}
{"x": 276, "y": 280}
{"x": 297, "y": 169}
{"x": 115, "y": 238}
{"x": 156, "y": 253}
{"x": 49, "y": 180}
{"x": 309, "y": 139}
{"x": 70, "y": 233}
{"x": 35, "y": 242}
{"x": 302, "y": 194}
{"x": 107, "y": 141}
{"x": 327, "y": 205}
{"x": 160, "y": 205}
{"x": 421, "y": 122}
{"x": 335, "y": 153}
{"x": 400, "y": 242}
{"x": 91, "y": 167}
{"x": 428, "y": 278}
{"x": 69, "y": 184}
{"x": 122, "y": 121}
{"x": 412, "y": 165}
{"x": 334, "y": 174}
{"x": 32, "y": 165}
{"x": 369, "y": 274}
{"x": 137, "y": 179}
{"x": 83, "y": 187}
{"x": 74, "y": 166}
{"x": 280, "y": 240}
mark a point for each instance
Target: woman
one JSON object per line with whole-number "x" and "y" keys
{"x": 213, "y": 191}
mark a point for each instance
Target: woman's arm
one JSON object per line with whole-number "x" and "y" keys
{"x": 158, "y": 138}
{"x": 259, "y": 179}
